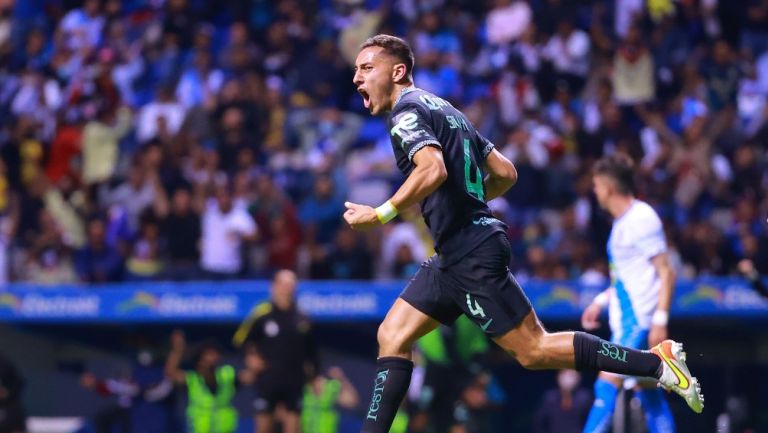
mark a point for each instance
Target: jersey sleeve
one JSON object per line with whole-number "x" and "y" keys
{"x": 486, "y": 147}
{"x": 649, "y": 237}
{"x": 411, "y": 130}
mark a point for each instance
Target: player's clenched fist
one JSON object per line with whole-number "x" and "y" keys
{"x": 360, "y": 217}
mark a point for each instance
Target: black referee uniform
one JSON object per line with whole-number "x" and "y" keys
{"x": 285, "y": 341}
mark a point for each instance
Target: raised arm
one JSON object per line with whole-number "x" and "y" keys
{"x": 172, "y": 369}
{"x": 348, "y": 397}
{"x": 747, "y": 268}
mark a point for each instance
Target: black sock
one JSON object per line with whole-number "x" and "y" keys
{"x": 393, "y": 375}
{"x": 595, "y": 354}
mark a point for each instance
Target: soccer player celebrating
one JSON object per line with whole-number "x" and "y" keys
{"x": 452, "y": 171}
{"x": 642, "y": 282}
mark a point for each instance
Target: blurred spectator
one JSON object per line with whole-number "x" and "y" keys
{"x": 199, "y": 83}
{"x": 233, "y": 137}
{"x": 437, "y": 76}
{"x": 321, "y": 396}
{"x": 6, "y": 234}
{"x": 229, "y": 93}
{"x": 97, "y": 261}
{"x": 136, "y": 194}
{"x": 65, "y": 206}
{"x": 144, "y": 402}
{"x": 368, "y": 170}
{"x": 508, "y": 20}
{"x": 282, "y": 245}
{"x": 633, "y": 70}
{"x": 323, "y": 85}
{"x": 65, "y": 147}
{"x": 48, "y": 258}
{"x": 225, "y": 225}
{"x": 722, "y": 74}
{"x": 348, "y": 259}
{"x": 144, "y": 260}
{"x": 81, "y": 28}
{"x": 11, "y": 387}
{"x": 320, "y": 213}
{"x": 180, "y": 21}
{"x": 480, "y": 403}
{"x": 568, "y": 50}
{"x": 208, "y": 380}
{"x": 100, "y": 144}
{"x": 402, "y": 250}
{"x": 30, "y": 204}
{"x": 180, "y": 226}
{"x": 324, "y": 132}
{"x": 239, "y": 48}
{"x": 628, "y": 12}
{"x": 747, "y": 268}
{"x": 37, "y": 99}
{"x": 36, "y": 53}
{"x": 163, "y": 116}
{"x": 565, "y": 409}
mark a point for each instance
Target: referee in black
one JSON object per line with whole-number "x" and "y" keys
{"x": 282, "y": 337}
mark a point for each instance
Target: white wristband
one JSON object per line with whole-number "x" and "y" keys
{"x": 601, "y": 299}
{"x": 386, "y": 212}
{"x": 660, "y": 318}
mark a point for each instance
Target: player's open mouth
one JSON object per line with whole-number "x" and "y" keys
{"x": 366, "y": 98}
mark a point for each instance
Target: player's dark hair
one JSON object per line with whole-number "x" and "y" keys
{"x": 395, "y": 47}
{"x": 620, "y": 168}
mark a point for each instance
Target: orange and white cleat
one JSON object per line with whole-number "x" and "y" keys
{"x": 676, "y": 376}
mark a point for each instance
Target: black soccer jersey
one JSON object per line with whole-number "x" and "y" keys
{"x": 457, "y": 215}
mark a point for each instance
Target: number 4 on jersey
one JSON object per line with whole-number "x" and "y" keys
{"x": 473, "y": 187}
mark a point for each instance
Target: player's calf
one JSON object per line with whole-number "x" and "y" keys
{"x": 536, "y": 349}
{"x": 595, "y": 354}
{"x": 393, "y": 376}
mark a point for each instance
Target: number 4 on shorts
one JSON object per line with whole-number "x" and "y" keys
{"x": 476, "y": 310}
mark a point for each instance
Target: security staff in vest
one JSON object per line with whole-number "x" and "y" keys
{"x": 210, "y": 386}
{"x": 322, "y": 395}
{"x": 452, "y": 358}
{"x": 282, "y": 337}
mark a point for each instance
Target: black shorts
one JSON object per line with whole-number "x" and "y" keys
{"x": 480, "y": 285}
{"x": 273, "y": 393}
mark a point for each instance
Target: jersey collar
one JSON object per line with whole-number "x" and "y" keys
{"x": 403, "y": 93}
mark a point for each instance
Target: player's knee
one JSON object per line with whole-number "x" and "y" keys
{"x": 533, "y": 360}
{"x": 533, "y": 356}
{"x": 392, "y": 340}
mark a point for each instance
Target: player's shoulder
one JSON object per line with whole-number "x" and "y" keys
{"x": 643, "y": 209}
{"x": 262, "y": 310}
{"x": 420, "y": 100}
{"x": 643, "y": 214}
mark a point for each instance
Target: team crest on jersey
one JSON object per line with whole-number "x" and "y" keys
{"x": 405, "y": 122}
{"x": 405, "y": 128}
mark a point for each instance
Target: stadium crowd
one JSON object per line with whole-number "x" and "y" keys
{"x": 180, "y": 139}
